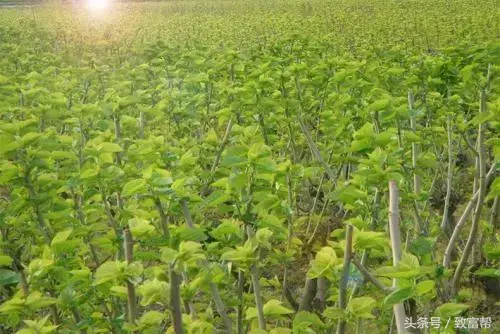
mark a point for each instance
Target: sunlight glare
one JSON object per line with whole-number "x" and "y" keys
{"x": 98, "y": 4}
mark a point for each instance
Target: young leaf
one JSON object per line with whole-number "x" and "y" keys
{"x": 424, "y": 287}
{"x": 108, "y": 271}
{"x": 5, "y": 260}
{"x": 151, "y": 318}
{"x": 398, "y": 296}
{"x": 275, "y": 307}
{"x": 450, "y": 310}
{"x": 110, "y": 147}
{"x": 361, "y": 307}
{"x": 304, "y": 320}
{"x": 8, "y": 277}
{"x": 61, "y": 237}
{"x": 140, "y": 227}
{"x": 134, "y": 187}
{"x": 325, "y": 259}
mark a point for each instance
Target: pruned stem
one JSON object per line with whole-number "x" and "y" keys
{"x": 219, "y": 304}
{"x": 345, "y": 276}
{"x": 286, "y": 291}
{"x": 495, "y": 212}
{"x": 308, "y": 294}
{"x": 175, "y": 301}
{"x": 187, "y": 214}
{"x": 255, "y": 277}
{"x": 218, "y": 156}
{"x": 163, "y": 218}
{"x": 369, "y": 277}
{"x": 364, "y": 257}
{"x": 449, "y": 177}
{"x": 39, "y": 216}
{"x": 239, "y": 310}
{"x": 77, "y": 200}
{"x": 128, "y": 246}
{"x": 414, "y": 146}
{"x": 142, "y": 123}
{"x": 190, "y": 306}
{"x": 16, "y": 265}
{"x": 399, "y": 311}
{"x": 479, "y": 204}
{"x": 254, "y": 273}
{"x": 462, "y": 220}
{"x": 315, "y": 151}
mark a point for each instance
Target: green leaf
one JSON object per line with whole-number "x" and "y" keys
{"x": 191, "y": 234}
{"x": 424, "y": 287}
{"x": 240, "y": 254}
{"x": 36, "y": 301}
{"x": 369, "y": 239}
{"x": 408, "y": 261}
{"x": 30, "y": 137}
{"x": 450, "y": 310}
{"x": 492, "y": 252}
{"x": 365, "y": 132}
{"x": 427, "y": 160}
{"x": 488, "y": 272}
{"x": 325, "y": 259}
{"x": 154, "y": 291}
{"x": 263, "y": 236}
{"x": 360, "y": 145}
{"x": 482, "y": 117}
{"x": 12, "y": 305}
{"x": 61, "y": 237}
{"x": 379, "y": 105}
{"x": 61, "y": 155}
{"x": 168, "y": 255}
{"x": 422, "y": 246}
{"x": 140, "y": 227}
{"x": 190, "y": 252}
{"x": 266, "y": 203}
{"x": 134, "y": 187}
{"x": 106, "y": 158}
{"x": 394, "y": 272}
{"x": 233, "y": 161}
{"x": 361, "y": 307}
{"x": 8, "y": 277}
{"x": 280, "y": 330}
{"x": 133, "y": 270}
{"x": 359, "y": 224}
{"x": 108, "y": 271}
{"x": 119, "y": 291}
{"x": 151, "y": 318}
{"x": 188, "y": 159}
{"x": 385, "y": 138}
{"x": 411, "y": 137}
{"x": 340, "y": 75}
{"x": 251, "y": 313}
{"x": 304, "y": 320}
{"x": 5, "y": 260}
{"x": 190, "y": 247}
{"x": 89, "y": 173}
{"x": 223, "y": 182}
{"x": 225, "y": 230}
{"x": 3, "y": 80}
{"x": 257, "y": 151}
{"x": 494, "y": 189}
{"x": 110, "y": 147}
{"x": 408, "y": 267}
{"x": 275, "y": 307}
{"x": 398, "y": 296}
{"x": 350, "y": 194}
